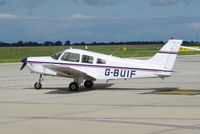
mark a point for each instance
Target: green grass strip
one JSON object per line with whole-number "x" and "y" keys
{"x": 15, "y": 54}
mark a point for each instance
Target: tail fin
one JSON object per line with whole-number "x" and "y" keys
{"x": 166, "y": 57}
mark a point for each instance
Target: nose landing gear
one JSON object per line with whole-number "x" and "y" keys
{"x": 38, "y": 85}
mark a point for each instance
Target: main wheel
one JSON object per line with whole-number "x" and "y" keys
{"x": 73, "y": 86}
{"x": 88, "y": 84}
{"x": 38, "y": 85}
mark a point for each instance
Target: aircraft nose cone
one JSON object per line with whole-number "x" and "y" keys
{"x": 24, "y": 60}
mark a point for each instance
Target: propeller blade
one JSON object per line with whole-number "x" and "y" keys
{"x": 24, "y": 63}
{"x": 22, "y": 67}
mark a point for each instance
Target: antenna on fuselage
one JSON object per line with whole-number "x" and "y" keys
{"x": 70, "y": 46}
{"x": 115, "y": 51}
{"x": 124, "y": 48}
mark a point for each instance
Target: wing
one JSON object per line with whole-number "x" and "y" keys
{"x": 68, "y": 72}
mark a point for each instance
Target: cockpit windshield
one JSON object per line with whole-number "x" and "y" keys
{"x": 56, "y": 55}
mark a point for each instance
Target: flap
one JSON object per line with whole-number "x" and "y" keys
{"x": 68, "y": 71}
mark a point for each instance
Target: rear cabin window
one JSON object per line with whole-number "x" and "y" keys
{"x": 73, "y": 57}
{"x": 100, "y": 61}
{"x": 87, "y": 59}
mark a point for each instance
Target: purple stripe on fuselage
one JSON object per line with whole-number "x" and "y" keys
{"x": 168, "y": 52}
{"x": 100, "y": 66}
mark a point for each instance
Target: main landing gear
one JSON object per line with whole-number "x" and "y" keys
{"x": 38, "y": 85}
{"x": 77, "y": 82}
{"x": 73, "y": 86}
{"x": 88, "y": 84}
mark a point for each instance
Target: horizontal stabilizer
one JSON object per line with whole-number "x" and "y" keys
{"x": 164, "y": 74}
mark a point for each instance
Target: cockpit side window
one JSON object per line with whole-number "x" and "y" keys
{"x": 56, "y": 55}
{"x": 87, "y": 59}
{"x": 100, "y": 61}
{"x": 73, "y": 57}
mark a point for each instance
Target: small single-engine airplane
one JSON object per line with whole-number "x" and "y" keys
{"x": 82, "y": 65}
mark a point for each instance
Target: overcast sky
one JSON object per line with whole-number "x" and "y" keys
{"x": 98, "y": 20}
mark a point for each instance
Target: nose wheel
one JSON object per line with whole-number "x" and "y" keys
{"x": 38, "y": 85}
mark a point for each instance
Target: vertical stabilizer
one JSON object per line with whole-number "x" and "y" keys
{"x": 166, "y": 57}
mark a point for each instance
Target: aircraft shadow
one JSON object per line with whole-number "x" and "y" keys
{"x": 107, "y": 87}
{"x": 81, "y": 89}
{"x": 154, "y": 89}
{"x": 160, "y": 90}
{"x": 103, "y": 86}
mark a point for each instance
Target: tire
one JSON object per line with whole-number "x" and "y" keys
{"x": 37, "y": 85}
{"x": 73, "y": 86}
{"x": 88, "y": 84}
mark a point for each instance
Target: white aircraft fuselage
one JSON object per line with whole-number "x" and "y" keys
{"x": 114, "y": 68}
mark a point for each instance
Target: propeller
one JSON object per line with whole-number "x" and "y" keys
{"x": 24, "y": 61}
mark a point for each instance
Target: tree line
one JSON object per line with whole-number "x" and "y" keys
{"x": 68, "y": 43}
